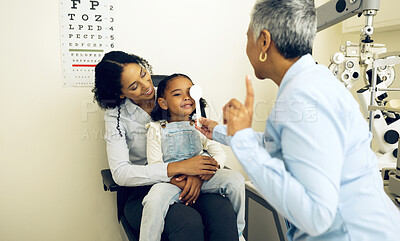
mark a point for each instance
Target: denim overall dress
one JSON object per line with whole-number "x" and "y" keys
{"x": 179, "y": 141}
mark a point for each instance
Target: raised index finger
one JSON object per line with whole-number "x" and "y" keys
{"x": 250, "y": 95}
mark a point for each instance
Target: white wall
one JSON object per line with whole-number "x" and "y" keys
{"x": 50, "y": 182}
{"x": 204, "y": 39}
{"x": 51, "y": 142}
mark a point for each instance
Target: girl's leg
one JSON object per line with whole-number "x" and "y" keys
{"x": 155, "y": 207}
{"x": 219, "y": 218}
{"x": 229, "y": 184}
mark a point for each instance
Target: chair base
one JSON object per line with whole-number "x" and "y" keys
{"x": 127, "y": 233}
{"x": 124, "y": 237}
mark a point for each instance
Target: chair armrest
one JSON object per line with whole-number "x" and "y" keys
{"x": 108, "y": 182}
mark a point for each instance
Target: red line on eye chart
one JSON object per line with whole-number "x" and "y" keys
{"x": 83, "y": 65}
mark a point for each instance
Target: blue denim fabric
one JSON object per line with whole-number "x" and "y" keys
{"x": 180, "y": 141}
{"x": 228, "y": 183}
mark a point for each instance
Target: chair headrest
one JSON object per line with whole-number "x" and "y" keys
{"x": 157, "y": 79}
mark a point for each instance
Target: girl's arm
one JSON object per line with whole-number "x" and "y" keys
{"x": 154, "y": 152}
{"x": 126, "y": 173}
{"x": 190, "y": 185}
{"x": 214, "y": 149}
{"x": 193, "y": 166}
{"x": 214, "y": 131}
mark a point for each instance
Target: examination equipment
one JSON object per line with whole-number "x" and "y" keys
{"x": 379, "y": 73}
{"x": 347, "y": 64}
{"x": 196, "y": 92}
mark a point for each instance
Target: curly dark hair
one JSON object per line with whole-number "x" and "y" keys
{"x": 159, "y": 113}
{"x": 107, "y": 88}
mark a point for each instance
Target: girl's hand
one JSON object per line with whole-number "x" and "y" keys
{"x": 180, "y": 178}
{"x": 191, "y": 190}
{"x": 179, "y": 181}
{"x": 207, "y": 127}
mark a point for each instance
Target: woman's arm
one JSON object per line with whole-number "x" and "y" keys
{"x": 190, "y": 185}
{"x": 124, "y": 172}
{"x": 304, "y": 183}
{"x": 194, "y": 166}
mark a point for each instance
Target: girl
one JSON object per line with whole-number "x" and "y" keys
{"x": 172, "y": 137}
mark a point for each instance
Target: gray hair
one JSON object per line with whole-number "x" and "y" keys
{"x": 291, "y": 23}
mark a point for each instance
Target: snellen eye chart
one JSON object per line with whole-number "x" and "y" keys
{"x": 87, "y": 33}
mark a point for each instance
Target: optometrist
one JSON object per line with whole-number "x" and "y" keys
{"x": 313, "y": 163}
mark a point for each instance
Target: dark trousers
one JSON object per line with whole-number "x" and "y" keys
{"x": 211, "y": 218}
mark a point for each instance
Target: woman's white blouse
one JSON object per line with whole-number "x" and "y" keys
{"x": 127, "y": 153}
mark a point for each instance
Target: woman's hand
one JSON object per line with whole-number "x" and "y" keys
{"x": 197, "y": 165}
{"x": 207, "y": 127}
{"x": 238, "y": 116}
{"x": 190, "y": 186}
{"x": 206, "y": 177}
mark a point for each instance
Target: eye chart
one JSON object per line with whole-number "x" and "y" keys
{"x": 87, "y": 33}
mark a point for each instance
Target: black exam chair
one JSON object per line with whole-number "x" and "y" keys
{"x": 110, "y": 185}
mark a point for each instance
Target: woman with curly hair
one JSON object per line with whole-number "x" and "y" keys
{"x": 123, "y": 87}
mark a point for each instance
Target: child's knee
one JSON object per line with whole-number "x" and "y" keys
{"x": 160, "y": 193}
{"x": 238, "y": 180}
{"x": 234, "y": 179}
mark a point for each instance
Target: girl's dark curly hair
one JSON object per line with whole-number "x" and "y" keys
{"x": 158, "y": 113}
{"x": 107, "y": 88}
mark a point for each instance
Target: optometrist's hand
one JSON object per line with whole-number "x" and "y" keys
{"x": 191, "y": 188}
{"x": 238, "y": 116}
{"x": 207, "y": 127}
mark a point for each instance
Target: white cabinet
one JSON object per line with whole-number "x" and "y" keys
{"x": 387, "y": 18}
